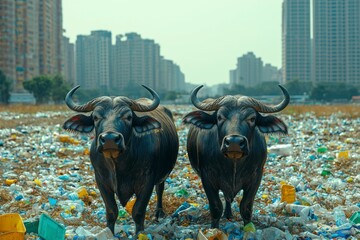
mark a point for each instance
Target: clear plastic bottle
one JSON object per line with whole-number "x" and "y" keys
{"x": 339, "y": 216}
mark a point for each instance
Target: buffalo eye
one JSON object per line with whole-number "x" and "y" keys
{"x": 127, "y": 118}
{"x": 251, "y": 120}
{"x": 96, "y": 118}
{"x": 220, "y": 118}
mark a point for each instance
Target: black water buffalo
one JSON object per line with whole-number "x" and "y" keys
{"x": 227, "y": 148}
{"x": 135, "y": 148}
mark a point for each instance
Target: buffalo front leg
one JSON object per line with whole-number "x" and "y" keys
{"x": 142, "y": 200}
{"x": 216, "y": 207}
{"x": 159, "y": 207}
{"x": 108, "y": 197}
{"x": 228, "y": 213}
{"x": 247, "y": 202}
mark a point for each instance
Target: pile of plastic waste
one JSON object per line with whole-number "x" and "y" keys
{"x": 310, "y": 188}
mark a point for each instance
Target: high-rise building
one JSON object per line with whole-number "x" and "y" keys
{"x": 271, "y": 73}
{"x": 30, "y": 39}
{"x": 132, "y": 61}
{"x": 296, "y": 49}
{"x": 50, "y": 36}
{"x": 336, "y": 41}
{"x": 68, "y": 56}
{"x": 171, "y": 77}
{"x": 93, "y": 55}
{"x": 248, "y": 72}
{"x": 136, "y": 61}
{"x": 7, "y": 39}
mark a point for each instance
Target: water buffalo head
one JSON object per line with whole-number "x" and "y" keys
{"x": 236, "y": 119}
{"x": 113, "y": 119}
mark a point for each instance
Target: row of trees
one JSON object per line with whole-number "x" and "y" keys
{"x": 54, "y": 88}
{"x": 47, "y": 88}
{"x": 44, "y": 88}
{"x": 320, "y": 92}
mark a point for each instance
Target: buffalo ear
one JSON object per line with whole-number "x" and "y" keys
{"x": 271, "y": 124}
{"x": 145, "y": 124}
{"x": 79, "y": 123}
{"x": 200, "y": 119}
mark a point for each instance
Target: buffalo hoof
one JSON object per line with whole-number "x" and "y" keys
{"x": 159, "y": 213}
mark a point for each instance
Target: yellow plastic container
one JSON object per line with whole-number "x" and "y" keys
{"x": 82, "y": 192}
{"x": 288, "y": 193}
{"x": 12, "y": 227}
{"x": 10, "y": 181}
{"x": 343, "y": 155}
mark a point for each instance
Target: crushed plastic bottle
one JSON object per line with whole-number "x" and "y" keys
{"x": 339, "y": 216}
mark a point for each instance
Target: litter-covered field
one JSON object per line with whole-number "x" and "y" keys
{"x": 46, "y": 173}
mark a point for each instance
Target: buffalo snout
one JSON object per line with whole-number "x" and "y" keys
{"x": 235, "y": 146}
{"x": 111, "y": 144}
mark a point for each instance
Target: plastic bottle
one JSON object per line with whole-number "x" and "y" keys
{"x": 339, "y": 216}
{"x": 322, "y": 150}
{"x": 294, "y": 208}
{"x": 288, "y": 193}
{"x": 182, "y": 207}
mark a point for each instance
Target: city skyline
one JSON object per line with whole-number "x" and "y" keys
{"x": 204, "y": 39}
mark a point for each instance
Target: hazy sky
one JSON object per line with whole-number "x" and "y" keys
{"x": 204, "y": 37}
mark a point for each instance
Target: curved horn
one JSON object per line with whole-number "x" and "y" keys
{"x": 87, "y": 107}
{"x": 136, "y": 106}
{"x": 208, "y": 106}
{"x": 261, "y": 107}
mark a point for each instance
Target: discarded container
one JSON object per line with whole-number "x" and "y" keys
{"x": 288, "y": 193}
{"x": 322, "y": 150}
{"x": 49, "y": 229}
{"x": 294, "y": 208}
{"x": 211, "y": 234}
{"x": 129, "y": 206}
{"x": 10, "y": 181}
{"x": 38, "y": 182}
{"x": 31, "y": 225}
{"x": 11, "y": 227}
{"x": 82, "y": 192}
{"x": 250, "y": 227}
{"x": 281, "y": 149}
{"x": 339, "y": 216}
{"x": 355, "y": 218}
{"x": 343, "y": 155}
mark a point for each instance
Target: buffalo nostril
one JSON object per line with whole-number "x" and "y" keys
{"x": 102, "y": 139}
{"x": 226, "y": 142}
{"x": 242, "y": 142}
{"x": 117, "y": 139}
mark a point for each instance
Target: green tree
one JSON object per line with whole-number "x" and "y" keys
{"x": 59, "y": 89}
{"x": 41, "y": 87}
{"x": 5, "y": 87}
{"x": 296, "y": 87}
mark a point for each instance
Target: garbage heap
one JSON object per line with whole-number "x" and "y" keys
{"x": 310, "y": 188}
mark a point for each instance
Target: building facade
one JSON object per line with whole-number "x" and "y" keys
{"x": 30, "y": 39}
{"x": 68, "y": 63}
{"x": 336, "y": 31}
{"x": 296, "y": 42}
{"x": 248, "y": 72}
{"x": 7, "y": 39}
{"x": 93, "y": 55}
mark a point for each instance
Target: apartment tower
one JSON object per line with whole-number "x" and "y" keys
{"x": 296, "y": 42}
{"x": 93, "y": 55}
{"x": 336, "y": 41}
{"x": 30, "y": 39}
